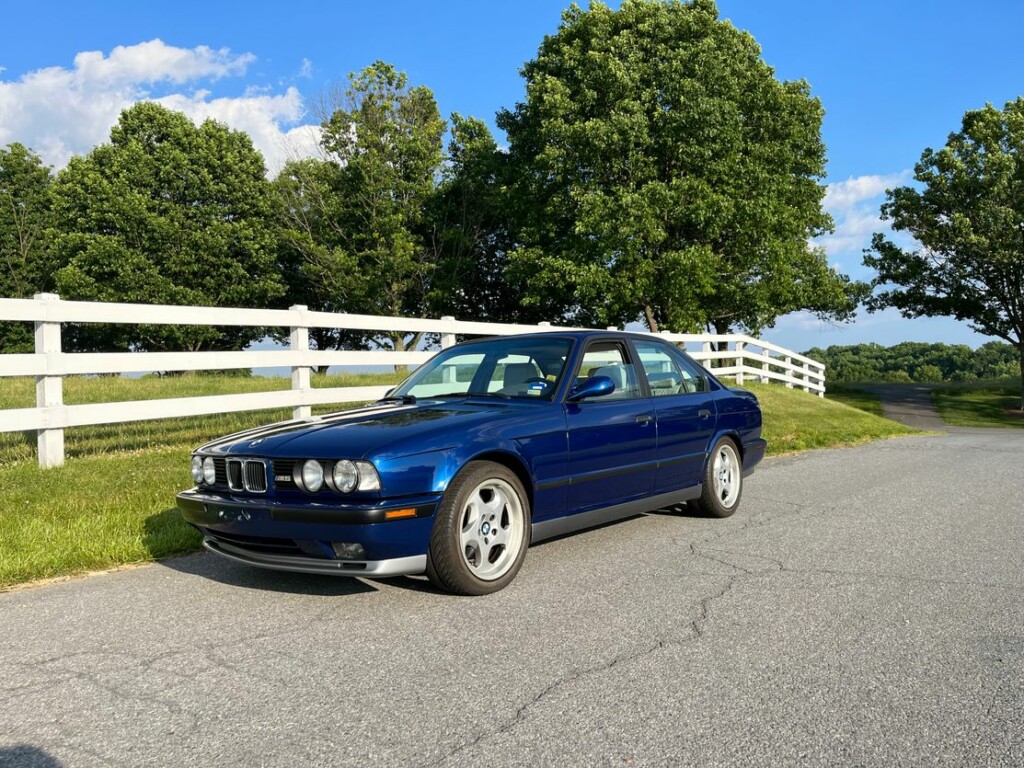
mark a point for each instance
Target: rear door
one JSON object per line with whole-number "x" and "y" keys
{"x": 612, "y": 438}
{"x": 685, "y": 410}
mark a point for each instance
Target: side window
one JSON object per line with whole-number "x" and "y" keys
{"x": 609, "y": 359}
{"x": 668, "y": 371}
{"x": 694, "y": 379}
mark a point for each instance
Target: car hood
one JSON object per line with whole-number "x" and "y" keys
{"x": 394, "y": 428}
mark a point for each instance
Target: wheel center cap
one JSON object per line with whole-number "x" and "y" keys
{"x": 485, "y": 528}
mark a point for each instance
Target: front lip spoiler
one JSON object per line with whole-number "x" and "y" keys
{"x": 398, "y": 566}
{"x": 202, "y": 508}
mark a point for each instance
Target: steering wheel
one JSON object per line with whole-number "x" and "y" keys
{"x": 533, "y": 379}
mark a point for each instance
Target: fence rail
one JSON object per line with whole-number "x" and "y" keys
{"x": 733, "y": 355}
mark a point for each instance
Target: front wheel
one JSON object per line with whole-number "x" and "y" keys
{"x": 723, "y": 480}
{"x": 482, "y": 531}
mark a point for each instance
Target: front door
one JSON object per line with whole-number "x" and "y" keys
{"x": 612, "y": 438}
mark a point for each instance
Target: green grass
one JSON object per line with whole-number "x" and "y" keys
{"x": 856, "y": 398}
{"x": 979, "y": 405}
{"x": 797, "y": 421}
{"x": 113, "y": 502}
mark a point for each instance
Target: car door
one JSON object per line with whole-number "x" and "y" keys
{"x": 685, "y": 410}
{"x": 612, "y": 438}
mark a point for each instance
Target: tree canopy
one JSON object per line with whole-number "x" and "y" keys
{"x": 166, "y": 213}
{"x": 355, "y": 218}
{"x": 25, "y": 266}
{"x": 967, "y": 218}
{"x": 661, "y": 170}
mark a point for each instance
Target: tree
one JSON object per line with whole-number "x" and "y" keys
{"x": 968, "y": 219}
{"x": 469, "y": 230}
{"x": 167, "y": 213}
{"x": 356, "y": 217}
{"x": 25, "y": 267}
{"x": 664, "y": 172}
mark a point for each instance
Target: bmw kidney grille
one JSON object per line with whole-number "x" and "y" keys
{"x": 247, "y": 474}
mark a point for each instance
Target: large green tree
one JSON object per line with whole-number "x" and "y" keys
{"x": 468, "y": 227}
{"x": 665, "y": 173}
{"x": 355, "y": 219}
{"x": 967, "y": 217}
{"x": 25, "y": 266}
{"x": 167, "y": 213}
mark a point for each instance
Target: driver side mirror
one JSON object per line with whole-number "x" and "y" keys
{"x": 595, "y": 386}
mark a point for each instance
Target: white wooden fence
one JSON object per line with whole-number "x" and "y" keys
{"x": 745, "y": 358}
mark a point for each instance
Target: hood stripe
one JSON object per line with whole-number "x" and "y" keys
{"x": 283, "y": 427}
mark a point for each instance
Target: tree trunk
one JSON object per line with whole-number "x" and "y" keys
{"x": 722, "y": 328}
{"x": 652, "y": 323}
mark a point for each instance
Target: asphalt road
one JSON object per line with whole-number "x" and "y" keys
{"x": 865, "y": 607}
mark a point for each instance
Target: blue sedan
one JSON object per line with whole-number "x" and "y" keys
{"x": 488, "y": 447}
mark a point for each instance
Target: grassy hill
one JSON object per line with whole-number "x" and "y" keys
{"x": 113, "y": 502}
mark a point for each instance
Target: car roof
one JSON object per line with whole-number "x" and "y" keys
{"x": 568, "y": 334}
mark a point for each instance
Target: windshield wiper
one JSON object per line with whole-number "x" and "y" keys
{"x": 472, "y": 394}
{"x": 405, "y": 399}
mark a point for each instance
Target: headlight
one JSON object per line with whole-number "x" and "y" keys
{"x": 209, "y": 471}
{"x": 312, "y": 476}
{"x": 346, "y": 476}
{"x": 197, "y": 469}
{"x": 369, "y": 480}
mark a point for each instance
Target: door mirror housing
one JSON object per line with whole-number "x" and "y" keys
{"x": 595, "y": 386}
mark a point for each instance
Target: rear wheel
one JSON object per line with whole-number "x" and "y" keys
{"x": 482, "y": 531}
{"x": 723, "y": 480}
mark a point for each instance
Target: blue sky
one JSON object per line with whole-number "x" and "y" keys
{"x": 894, "y": 77}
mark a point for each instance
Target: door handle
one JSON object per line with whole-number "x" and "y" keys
{"x": 704, "y": 413}
{"x": 644, "y": 420}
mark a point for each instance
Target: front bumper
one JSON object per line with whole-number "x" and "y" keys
{"x": 397, "y": 566}
{"x": 270, "y": 533}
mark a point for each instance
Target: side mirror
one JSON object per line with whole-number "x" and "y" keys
{"x": 595, "y": 386}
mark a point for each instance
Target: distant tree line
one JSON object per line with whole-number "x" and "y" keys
{"x": 656, "y": 170}
{"x": 917, "y": 362}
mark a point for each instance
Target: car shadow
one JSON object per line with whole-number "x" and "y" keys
{"x": 27, "y": 756}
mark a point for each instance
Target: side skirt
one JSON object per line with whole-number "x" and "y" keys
{"x": 548, "y": 529}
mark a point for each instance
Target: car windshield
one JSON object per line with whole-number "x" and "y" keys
{"x": 528, "y": 367}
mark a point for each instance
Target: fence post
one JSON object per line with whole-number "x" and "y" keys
{"x": 298, "y": 340}
{"x": 789, "y": 371}
{"x": 49, "y": 389}
{"x": 806, "y": 376}
{"x": 740, "y": 345}
{"x": 706, "y": 347}
{"x": 447, "y": 339}
{"x": 821, "y": 381}
{"x": 767, "y": 355}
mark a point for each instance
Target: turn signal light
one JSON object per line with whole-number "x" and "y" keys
{"x": 394, "y": 514}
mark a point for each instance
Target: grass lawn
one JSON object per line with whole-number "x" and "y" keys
{"x": 979, "y": 405}
{"x": 856, "y": 398}
{"x": 113, "y": 502}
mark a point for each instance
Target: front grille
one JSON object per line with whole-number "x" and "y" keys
{"x": 221, "y": 471}
{"x": 283, "y": 473}
{"x": 247, "y": 474}
{"x": 255, "y": 477}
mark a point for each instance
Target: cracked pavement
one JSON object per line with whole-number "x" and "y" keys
{"x": 864, "y": 607}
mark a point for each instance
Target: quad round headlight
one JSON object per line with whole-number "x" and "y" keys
{"x": 346, "y": 476}
{"x": 197, "y": 469}
{"x": 209, "y": 471}
{"x": 312, "y": 476}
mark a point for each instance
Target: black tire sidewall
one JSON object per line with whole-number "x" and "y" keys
{"x": 446, "y": 564}
{"x": 709, "y": 502}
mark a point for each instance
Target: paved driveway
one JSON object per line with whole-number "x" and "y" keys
{"x": 865, "y": 607}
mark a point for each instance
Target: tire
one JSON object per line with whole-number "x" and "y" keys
{"x": 482, "y": 531}
{"x": 723, "y": 480}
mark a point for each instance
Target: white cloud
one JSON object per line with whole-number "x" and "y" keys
{"x": 306, "y": 70}
{"x": 62, "y": 112}
{"x": 854, "y": 205}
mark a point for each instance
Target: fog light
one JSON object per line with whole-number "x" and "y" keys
{"x": 348, "y": 550}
